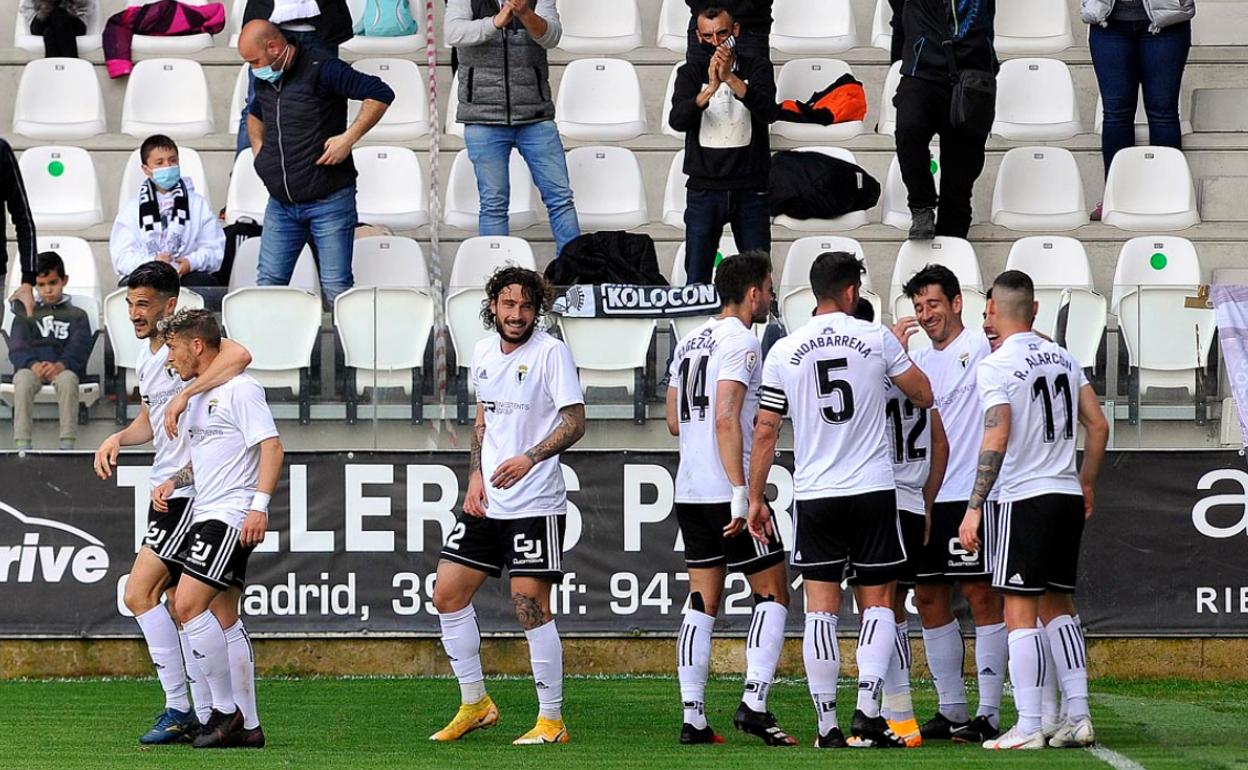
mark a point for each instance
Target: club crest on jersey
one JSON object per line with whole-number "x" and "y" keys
{"x": 212, "y": 407}
{"x": 522, "y": 371}
{"x": 169, "y": 370}
{"x": 964, "y": 359}
{"x": 751, "y": 360}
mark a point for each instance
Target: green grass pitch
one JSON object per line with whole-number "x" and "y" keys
{"x": 614, "y": 723}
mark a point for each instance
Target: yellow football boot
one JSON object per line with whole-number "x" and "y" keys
{"x": 471, "y": 716}
{"x": 908, "y": 731}
{"x": 545, "y": 731}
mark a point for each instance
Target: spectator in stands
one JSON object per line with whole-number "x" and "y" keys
{"x": 1138, "y": 44}
{"x": 725, "y": 109}
{"x": 49, "y": 347}
{"x": 754, "y": 16}
{"x": 59, "y": 23}
{"x": 936, "y": 45}
{"x": 505, "y": 103}
{"x": 302, "y": 145}
{"x": 167, "y": 221}
{"x": 13, "y": 197}
{"x": 326, "y": 23}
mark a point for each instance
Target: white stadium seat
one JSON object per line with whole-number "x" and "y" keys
{"x": 234, "y": 25}
{"x": 389, "y": 261}
{"x": 1028, "y": 27}
{"x": 607, "y": 185}
{"x": 1141, "y": 119}
{"x": 1059, "y": 267}
{"x": 599, "y": 27}
{"x": 1036, "y": 101}
{"x": 1149, "y": 188}
{"x": 1039, "y": 188}
{"x": 246, "y": 268}
{"x": 62, "y": 187}
{"x": 667, "y": 104}
{"x": 805, "y": 27}
{"x": 453, "y": 126}
{"x": 609, "y": 352}
{"x": 59, "y": 99}
{"x": 798, "y": 80}
{"x": 93, "y": 40}
{"x": 190, "y": 163}
{"x": 1166, "y": 340}
{"x": 463, "y": 206}
{"x": 80, "y": 265}
{"x": 794, "y": 294}
{"x": 387, "y": 46}
{"x": 247, "y": 195}
{"x": 277, "y": 360}
{"x": 954, "y": 253}
{"x": 845, "y": 222}
{"x": 176, "y": 45}
{"x": 408, "y": 116}
{"x": 881, "y": 26}
{"x": 888, "y": 112}
{"x": 600, "y": 100}
{"x": 238, "y": 99}
{"x": 384, "y": 333}
{"x": 167, "y": 96}
{"x": 475, "y": 262}
{"x": 1221, "y": 22}
{"x": 674, "y": 26}
{"x": 894, "y": 196}
{"x": 675, "y": 193}
{"x": 390, "y": 188}
{"x": 89, "y": 390}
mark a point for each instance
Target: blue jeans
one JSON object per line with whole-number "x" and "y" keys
{"x": 489, "y": 149}
{"x": 329, "y": 223}
{"x": 299, "y": 39}
{"x": 1126, "y": 57}
{"x": 706, "y": 213}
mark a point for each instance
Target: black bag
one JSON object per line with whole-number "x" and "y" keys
{"x": 973, "y": 105}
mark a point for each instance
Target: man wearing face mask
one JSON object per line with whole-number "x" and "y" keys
{"x": 167, "y": 221}
{"x": 302, "y": 147}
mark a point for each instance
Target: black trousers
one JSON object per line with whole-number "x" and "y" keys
{"x": 923, "y": 113}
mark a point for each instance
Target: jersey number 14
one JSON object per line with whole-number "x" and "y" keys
{"x": 693, "y": 388}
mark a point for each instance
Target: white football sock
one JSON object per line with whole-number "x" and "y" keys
{"x": 991, "y": 649}
{"x": 208, "y": 646}
{"x": 546, "y": 655}
{"x": 161, "y": 635}
{"x": 1049, "y": 700}
{"x": 898, "y": 705}
{"x": 1071, "y": 656}
{"x": 243, "y": 673}
{"x": 1027, "y": 676}
{"x": 762, "y": 652}
{"x": 823, "y": 666}
{"x": 877, "y": 642}
{"x": 461, "y": 638}
{"x": 945, "y": 653}
{"x": 693, "y": 664}
{"x": 200, "y": 692}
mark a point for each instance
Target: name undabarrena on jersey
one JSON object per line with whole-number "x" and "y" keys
{"x": 829, "y": 339}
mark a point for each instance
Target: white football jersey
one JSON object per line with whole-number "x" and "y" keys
{"x": 522, "y": 393}
{"x": 158, "y": 384}
{"x": 952, "y": 374}
{"x": 1040, "y": 382}
{"x": 719, "y": 350}
{"x": 829, "y": 375}
{"x": 910, "y": 442}
{"x": 225, "y": 427}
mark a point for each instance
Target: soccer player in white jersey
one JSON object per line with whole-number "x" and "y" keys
{"x": 1033, "y": 392}
{"x": 830, "y": 375}
{"x": 529, "y": 410}
{"x": 151, "y": 296}
{"x": 235, "y": 462}
{"x": 711, "y": 404}
{"x": 919, "y": 450}
{"x": 950, "y": 363}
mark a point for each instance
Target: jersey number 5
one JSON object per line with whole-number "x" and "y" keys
{"x": 693, "y": 388}
{"x": 828, "y": 387}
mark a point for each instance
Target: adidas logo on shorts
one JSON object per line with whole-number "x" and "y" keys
{"x": 1016, "y": 579}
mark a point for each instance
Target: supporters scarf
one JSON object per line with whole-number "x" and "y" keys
{"x": 627, "y": 301}
{"x": 161, "y": 236}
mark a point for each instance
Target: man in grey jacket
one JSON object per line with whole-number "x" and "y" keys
{"x": 505, "y": 103}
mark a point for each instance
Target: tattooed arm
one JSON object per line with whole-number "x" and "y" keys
{"x": 160, "y": 495}
{"x": 569, "y": 431}
{"x": 475, "y": 501}
{"x": 991, "y": 455}
{"x": 184, "y": 477}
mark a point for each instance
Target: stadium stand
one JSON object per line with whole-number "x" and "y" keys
{"x": 180, "y": 45}
{"x": 167, "y": 96}
{"x": 797, "y": 301}
{"x": 1029, "y": 27}
{"x": 1150, "y": 188}
{"x": 77, "y": 112}
{"x": 1039, "y": 188}
{"x": 799, "y": 78}
{"x": 600, "y": 101}
{"x": 607, "y": 183}
{"x": 802, "y": 27}
{"x": 385, "y": 46}
{"x": 600, "y": 28}
{"x": 674, "y": 193}
{"x": 408, "y": 116}
{"x": 1059, "y": 266}
{"x": 463, "y": 205}
{"x": 390, "y": 188}
{"x": 284, "y": 360}
{"x": 896, "y": 210}
{"x": 848, "y": 221}
{"x": 1036, "y": 101}
{"x": 63, "y": 187}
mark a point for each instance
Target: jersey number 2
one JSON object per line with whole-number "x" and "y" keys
{"x": 829, "y": 387}
{"x": 1061, "y": 387}
{"x": 693, "y": 388}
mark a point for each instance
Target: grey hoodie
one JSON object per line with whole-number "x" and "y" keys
{"x": 1161, "y": 13}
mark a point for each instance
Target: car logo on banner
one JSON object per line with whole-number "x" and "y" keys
{"x": 38, "y": 550}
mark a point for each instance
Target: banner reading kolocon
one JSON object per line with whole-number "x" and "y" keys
{"x": 355, "y": 536}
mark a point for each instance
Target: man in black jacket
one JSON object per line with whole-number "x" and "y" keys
{"x": 942, "y": 38}
{"x": 13, "y": 196}
{"x": 754, "y": 16}
{"x": 725, "y": 110}
{"x": 302, "y": 145}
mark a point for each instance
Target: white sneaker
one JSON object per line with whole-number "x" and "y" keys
{"x": 1074, "y": 734}
{"x": 1016, "y": 739}
{"x": 1050, "y": 725}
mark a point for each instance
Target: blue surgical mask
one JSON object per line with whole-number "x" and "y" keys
{"x": 166, "y": 177}
{"x": 267, "y": 73}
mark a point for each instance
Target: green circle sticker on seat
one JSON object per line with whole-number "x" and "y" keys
{"x": 1158, "y": 261}
{"x": 934, "y": 167}
{"x": 56, "y": 168}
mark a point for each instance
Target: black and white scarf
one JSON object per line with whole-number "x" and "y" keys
{"x": 159, "y": 236}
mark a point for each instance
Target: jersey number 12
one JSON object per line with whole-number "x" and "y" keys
{"x": 905, "y": 446}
